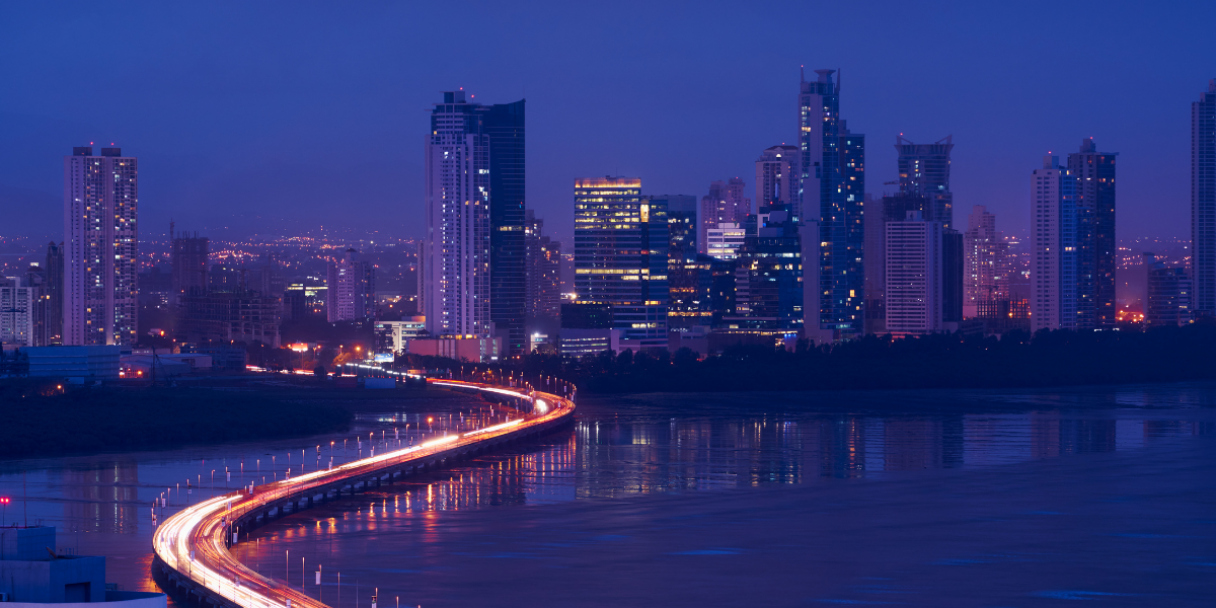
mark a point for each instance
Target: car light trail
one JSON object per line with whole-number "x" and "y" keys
{"x": 193, "y": 543}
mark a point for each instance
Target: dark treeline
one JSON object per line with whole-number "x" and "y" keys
{"x": 39, "y": 418}
{"x": 1015, "y": 360}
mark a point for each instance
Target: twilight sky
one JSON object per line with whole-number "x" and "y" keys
{"x": 281, "y": 117}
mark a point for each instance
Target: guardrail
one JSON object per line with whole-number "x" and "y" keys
{"x": 191, "y": 546}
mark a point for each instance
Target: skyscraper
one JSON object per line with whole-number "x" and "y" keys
{"x": 685, "y": 298}
{"x": 1096, "y": 246}
{"x": 18, "y": 300}
{"x": 924, "y": 170}
{"x": 54, "y": 294}
{"x": 1167, "y": 296}
{"x": 456, "y": 260}
{"x": 830, "y": 156}
{"x": 101, "y": 204}
{"x": 350, "y": 293}
{"x": 504, "y": 123}
{"x": 916, "y": 281}
{"x": 1053, "y": 223}
{"x": 724, "y": 204}
{"x": 985, "y": 264}
{"x": 620, "y": 257}
{"x": 1203, "y": 201}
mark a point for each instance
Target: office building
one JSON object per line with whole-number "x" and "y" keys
{"x": 1096, "y": 246}
{"x": 768, "y": 276}
{"x": 985, "y": 257}
{"x": 684, "y": 298}
{"x": 834, "y": 308}
{"x": 544, "y": 281}
{"x": 350, "y": 293}
{"x": 1053, "y": 227}
{"x": 924, "y": 170}
{"x": 620, "y": 257}
{"x": 1167, "y": 297}
{"x": 723, "y": 241}
{"x": 472, "y": 275}
{"x": 101, "y": 205}
{"x": 1203, "y": 201}
{"x": 874, "y": 266}
{"x": 188, "y": 256}
{"x": 587, "y": 329}
{"x": 394, "y": 336}
{"x": 725, "y": 203}
{"x": 916, "y": 291}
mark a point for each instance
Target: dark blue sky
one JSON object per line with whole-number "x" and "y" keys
{"x": 277, "y": 117}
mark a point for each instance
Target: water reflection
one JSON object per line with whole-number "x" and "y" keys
{"x": 618, "y": 448}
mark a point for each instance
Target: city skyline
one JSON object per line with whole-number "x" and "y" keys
{"x": 224, "y": 163}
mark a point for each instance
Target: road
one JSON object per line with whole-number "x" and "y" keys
{"x": 192, "y": 545}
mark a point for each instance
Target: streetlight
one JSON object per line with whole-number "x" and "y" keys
{"x": 4, "y": 500}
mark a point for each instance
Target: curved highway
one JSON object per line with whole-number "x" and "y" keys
{"x": 191, "y": 546}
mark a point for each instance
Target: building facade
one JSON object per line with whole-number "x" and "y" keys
{"x": 836, "y": 210}
{"x": 1053, "y": 221}
{"x": 189, "y": 259}
{"x": 472, "y": 263}
{"x": 1203, "y": 201}
{"x": 1167, "y": 298}
{"x": 683, "y": 295}
{"x": 350, "y": 293}
{"x": 725, "y": 203}
{"x": 915, "y": 291}
{"x": 18, "y": 300}
{"x": 1096, "y": 246}
{"x": 620, "y": 257}
{"x": 985, "y": 264}
{"x": 227, "y": 317}
{"x": 101, "y": 207}
{"x": 776, "y": 176}
{"x": 544, "y": 281}
{"x": 924, "y": 170}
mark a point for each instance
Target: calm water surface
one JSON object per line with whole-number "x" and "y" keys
{"x": 684, "y": 498}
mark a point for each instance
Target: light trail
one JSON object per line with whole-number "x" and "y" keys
{"x": 194, "y": 542}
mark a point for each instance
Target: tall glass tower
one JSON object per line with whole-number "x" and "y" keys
{"x": 831, "y": 193}
{"x": 924, "y": 170}
{"x": 473, "y": 259}
{"x": 1203, "y": 201}
{"x": 1096, "y": 245}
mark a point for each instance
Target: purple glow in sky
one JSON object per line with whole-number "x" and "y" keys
{"x": 277, "y": 118}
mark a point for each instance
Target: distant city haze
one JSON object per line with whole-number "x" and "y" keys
{"x": 254, "y": 119}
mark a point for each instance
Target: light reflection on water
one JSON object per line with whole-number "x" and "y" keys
{"x": 619, "y": 447}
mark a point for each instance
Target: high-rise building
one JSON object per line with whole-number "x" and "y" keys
{"x": 768, "y": 276}
{"x": 916, "y": 283}
{"x": 1203, "y": 201}
{"x": 472, "y": 275}
{"x": 18, "y": 299}
{"x": 1053, "y": 223}
{"x": 829, "y": 157}
{"x": 1096, "y": 246}
{"x": 725, "y": 204}
{"x": 54, "y": 294}
{"x": 101, "y": 205}
{"x": 924, "y": 170}
{"x": 544, "y": 282}
{"x": 875, "y": 265}
{"x": 620, "y": 257}
{"x": 1167, "y": 298}
{"x": 985, "y": 267}
{"x": 350, "y": 293}
{"x": 776, "y": 176}
{"x": 227, "y": 317}
{"x": 188, "y": 257}
{"x": 684, "y": 308}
